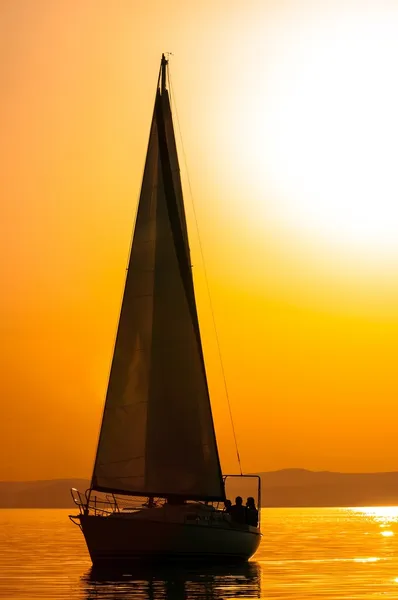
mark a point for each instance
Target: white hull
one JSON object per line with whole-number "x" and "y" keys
{"x": 167, "y": 534}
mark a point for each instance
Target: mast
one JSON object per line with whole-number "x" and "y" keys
{"x": 163, "y": 65}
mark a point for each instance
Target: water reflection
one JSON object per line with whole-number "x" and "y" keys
{"x": 380, "y": 514}
{"x": 174, "y": 583}
{"x": 322, "y": 554}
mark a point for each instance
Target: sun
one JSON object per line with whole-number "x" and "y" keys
{"x": 316, "y": 130}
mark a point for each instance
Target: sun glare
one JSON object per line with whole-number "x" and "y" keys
{"x": 320, "y": 134}
{"x": 381, "y": 514}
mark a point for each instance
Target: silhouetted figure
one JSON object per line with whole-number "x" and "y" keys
{"x": 228, "y": 506}
{"x": 238, "y": 511}
{"x": 251, "y": 512}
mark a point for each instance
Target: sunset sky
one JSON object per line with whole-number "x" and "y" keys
{"x": 289, "y": 120}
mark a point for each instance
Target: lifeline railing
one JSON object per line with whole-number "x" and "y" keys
{"x": 109, "y": 504}
{"x": 104, "y": 505}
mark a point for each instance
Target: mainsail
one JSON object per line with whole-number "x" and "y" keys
{"x": 157, "y": 435}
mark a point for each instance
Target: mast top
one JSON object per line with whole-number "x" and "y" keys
{"x": 163, "y": 66}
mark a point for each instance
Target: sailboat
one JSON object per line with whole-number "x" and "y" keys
{"x": 157, "y": 491}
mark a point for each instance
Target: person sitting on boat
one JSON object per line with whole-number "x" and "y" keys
{"x": 227, "y": 506}
{"x": 251, "y": 512}
{"x": 238, "y": 511}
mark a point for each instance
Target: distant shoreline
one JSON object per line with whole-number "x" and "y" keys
{"x": 287, "y": 488}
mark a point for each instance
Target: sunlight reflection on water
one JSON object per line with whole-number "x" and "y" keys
{"x": 327, "y": 554}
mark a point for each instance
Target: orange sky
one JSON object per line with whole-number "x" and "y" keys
{"x": 288, "y": 116}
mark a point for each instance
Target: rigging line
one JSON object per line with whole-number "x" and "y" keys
{"x": 205, "y": 274}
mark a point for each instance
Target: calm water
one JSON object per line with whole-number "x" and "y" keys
{"x": 305, "y": 554}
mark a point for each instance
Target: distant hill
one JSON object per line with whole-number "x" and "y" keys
{"x": 52, "y": 493}
{"x": 298, "y": 487}
{"x": 285, "y": 488}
